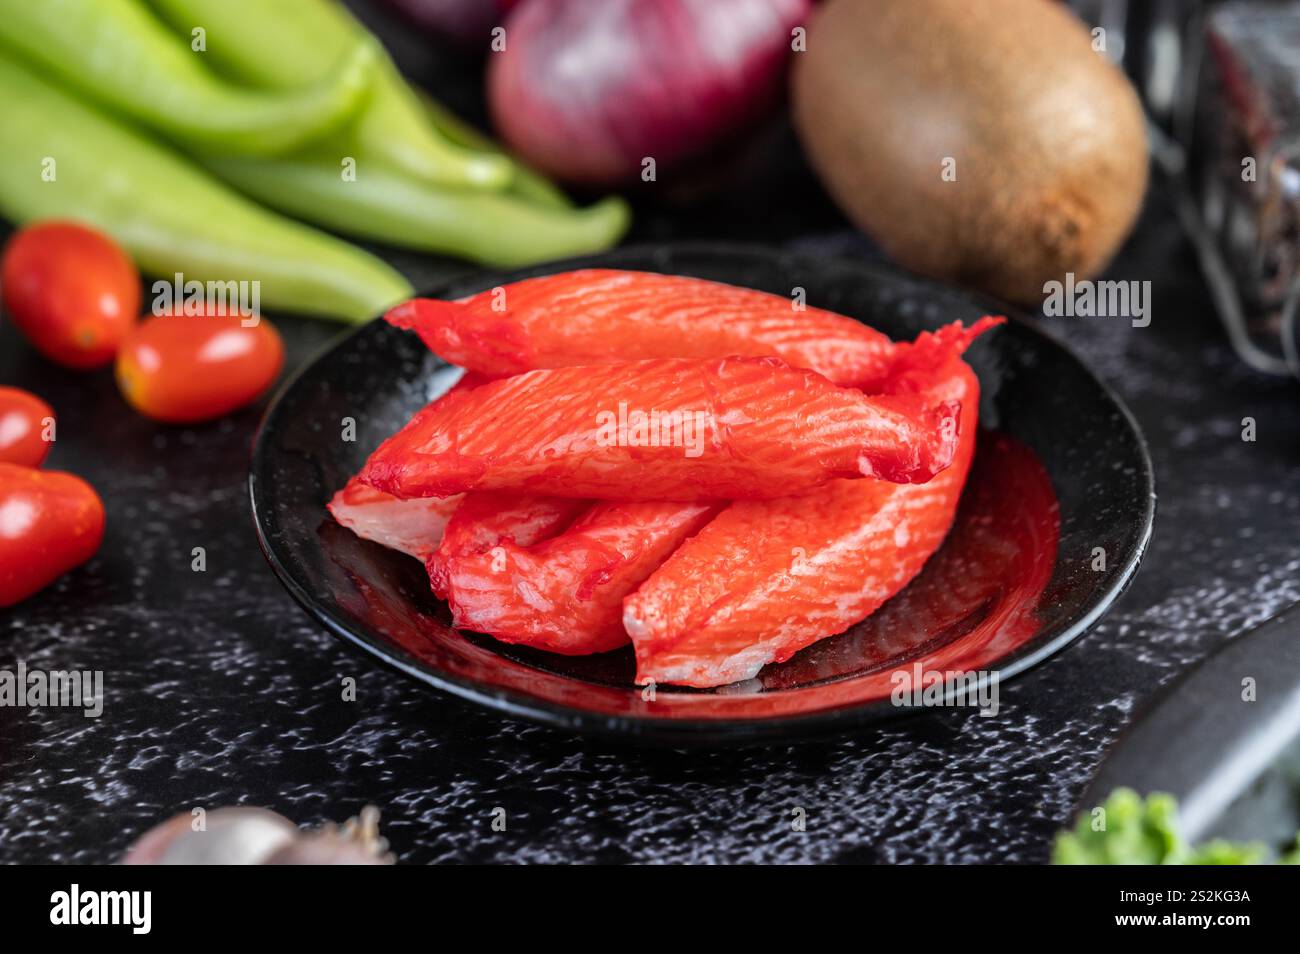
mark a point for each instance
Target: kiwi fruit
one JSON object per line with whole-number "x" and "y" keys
{"x": 984, "y": 143}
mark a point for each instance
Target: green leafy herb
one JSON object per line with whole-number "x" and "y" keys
{"x": 1130, "y": 831}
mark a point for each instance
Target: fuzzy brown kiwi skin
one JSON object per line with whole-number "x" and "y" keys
{"x": 1048, "y": 136}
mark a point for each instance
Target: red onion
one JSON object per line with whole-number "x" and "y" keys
{"x": 588, "y": 89}
{"x": 468, "y": 22}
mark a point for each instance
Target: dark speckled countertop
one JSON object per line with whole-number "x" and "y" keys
{"x": 218, "y": 688}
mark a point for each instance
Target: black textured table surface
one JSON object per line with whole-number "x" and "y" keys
{"x": 219, "y": 690}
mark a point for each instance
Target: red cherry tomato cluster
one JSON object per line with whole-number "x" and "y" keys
{"x": 74, "y": 294}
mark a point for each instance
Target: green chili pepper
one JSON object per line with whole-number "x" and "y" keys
{"x": 290, "y": 44}
{"x": 526, "y": 184}
{"x": 60, "y": 158}
{"x": 386, "y": 206}
{"x": 119, "y": 54}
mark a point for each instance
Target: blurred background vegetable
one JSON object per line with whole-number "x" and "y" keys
{"x": 118, "y": 54}
{"x": 172, "y": 217}
{"x": 588, "y": 92}
{"x": 385, "y": 206}
{"x": 1130, "y": 830}
{"x": 70, "y": 290}
{"x": 291, "y": 44}
{"x": 526, "y": 183}
{"x": 382, "y": 180}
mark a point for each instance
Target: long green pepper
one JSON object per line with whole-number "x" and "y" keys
{"x": 290, "y": 44}
{"x": 122, "y": 56}
{"x": 350, "y": 183}
{"x": 527, "y": 184}
{"x": 388, "y": 207}
{"x": 60, "y": 158}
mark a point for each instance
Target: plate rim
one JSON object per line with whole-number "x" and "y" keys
{"x": 677, "y": 731}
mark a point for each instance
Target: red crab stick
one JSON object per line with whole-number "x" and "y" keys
{"x": 487, "y": 520}
{"x": 412, "y": 526}
{"x": 663, "y": 430}
{"x": 600, "y": 316}
{"x": 501, "y": 576}
{"x": 766, "y": 578}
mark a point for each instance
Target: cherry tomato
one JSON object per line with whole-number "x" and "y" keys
{"x": 50, "y": 522}
{"x": 26, "y": 427}
{"x": 71, "y": 291}
{"x": 185, "y": 368}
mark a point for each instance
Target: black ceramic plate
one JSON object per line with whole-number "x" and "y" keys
{"x": 1061, "y": 476}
